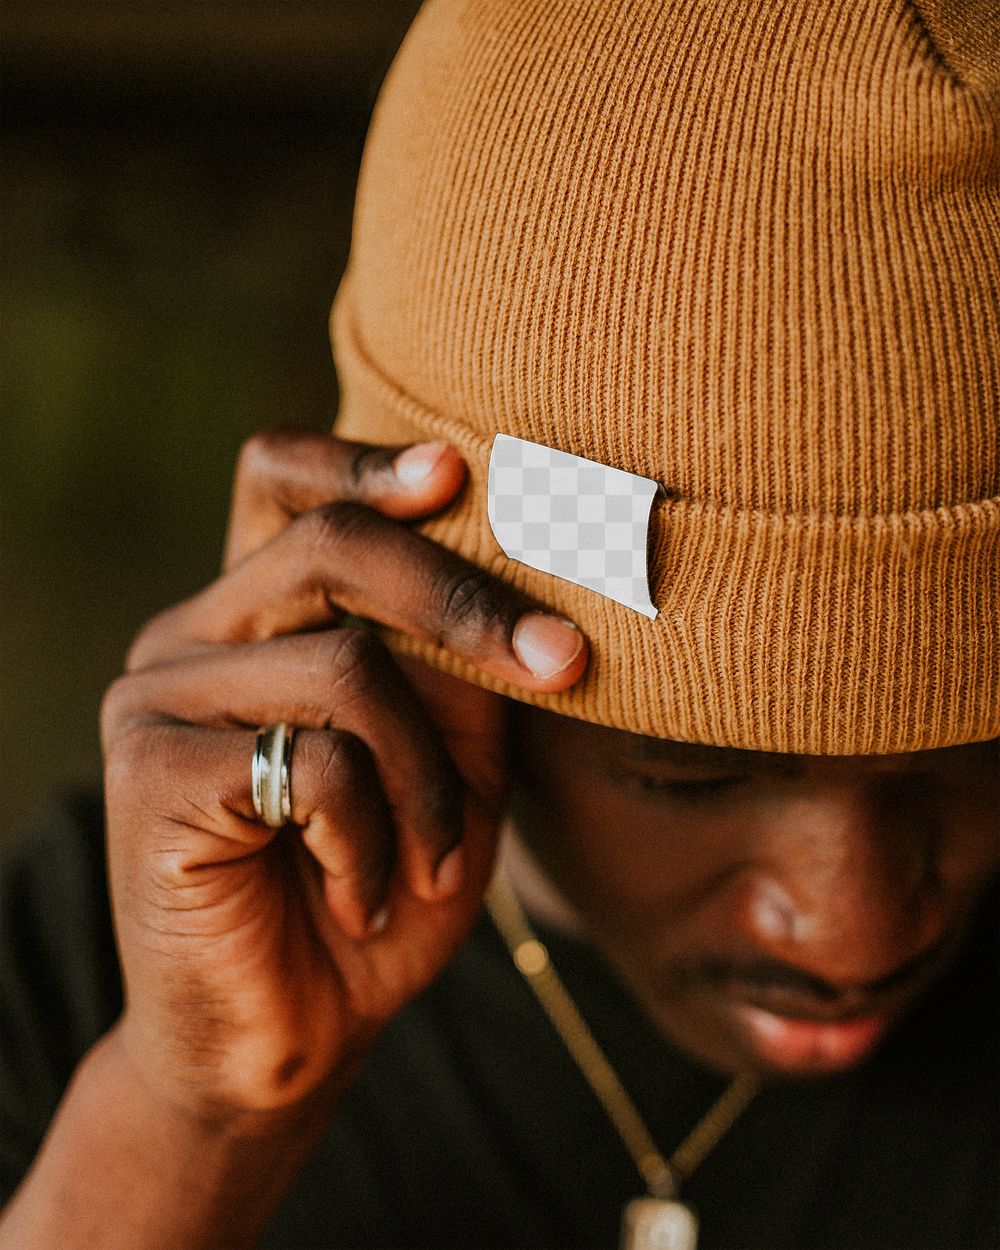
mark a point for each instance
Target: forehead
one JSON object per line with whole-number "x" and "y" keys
{"x": 733, "y": 759}
{"x": 574, "y": 740}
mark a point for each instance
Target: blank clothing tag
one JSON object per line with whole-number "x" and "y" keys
{"x": 574, "y": 518}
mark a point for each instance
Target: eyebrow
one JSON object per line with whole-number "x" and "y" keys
{"x": 694, "y": 754}
{"x": 641, "y": 749}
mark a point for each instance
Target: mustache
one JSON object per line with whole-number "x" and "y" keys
{"x": 762, "y": 973}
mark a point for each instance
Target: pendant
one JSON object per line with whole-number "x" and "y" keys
{"x": 658, "y": 1224}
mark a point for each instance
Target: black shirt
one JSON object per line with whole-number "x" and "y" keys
{"x": 470, "y": 1127}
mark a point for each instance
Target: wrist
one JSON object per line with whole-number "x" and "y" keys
{"x": 193, "y": 1108}
{"x": 127, "y": 1168}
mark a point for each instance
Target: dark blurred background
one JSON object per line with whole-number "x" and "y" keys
{"x": 177, "y": 186}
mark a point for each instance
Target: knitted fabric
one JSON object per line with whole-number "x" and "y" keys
{"x": 750, "y": 250}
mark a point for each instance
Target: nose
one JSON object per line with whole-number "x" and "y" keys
{"x": 847, "y": 890}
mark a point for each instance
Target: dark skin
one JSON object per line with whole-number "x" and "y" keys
{"x": 260, "y": 966}
{"x": 736, "y": 890}
{"x": 308, "y": 944}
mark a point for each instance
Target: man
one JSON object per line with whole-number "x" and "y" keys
{"x": 709, "y": 247}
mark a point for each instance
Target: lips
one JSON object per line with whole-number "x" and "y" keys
{"x": 808, "y": 1034}
{"x": 793, "y": 1023}
{"x": 784, "y": 1030}
{"x": 741, "y": 1010}
{"x": 809, "y": 1046}
{"x": 830, "y": 1008}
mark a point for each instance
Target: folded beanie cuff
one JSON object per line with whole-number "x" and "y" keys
{"x": 819, "y": 634}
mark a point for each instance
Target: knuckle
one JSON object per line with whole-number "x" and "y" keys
{"x": 348, "y": 797}
{"x": 258, "y": 454}
{"x": 146, "y": 642}
{"x": 332, "y": 526}
{"x": 364, "y": 463}
{"x": 343, "y": 667}
{"x": 120, "y": 704}
{"x": 128, "y": 760}
{"x": 162, "y": 636}
{"x": 469, "y": 601}
{"x": 355, "y": 666}
{"x": 354, "y": 657}
{"x": 117, "y": 698}
{"x": 343, "y": 761}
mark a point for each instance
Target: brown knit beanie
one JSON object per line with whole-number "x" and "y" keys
{"x": 748, "y": 249}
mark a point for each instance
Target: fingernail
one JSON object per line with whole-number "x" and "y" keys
{"x": 378, "y": 922}
{"x": 416, "y": 464}
{"x": 546, "y": 644}
{"x": 448, "y": 876}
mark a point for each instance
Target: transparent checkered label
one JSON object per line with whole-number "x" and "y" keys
{"x": 574, "y": 518}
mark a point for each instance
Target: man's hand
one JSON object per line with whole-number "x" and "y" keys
{"x": 260, "y": 966}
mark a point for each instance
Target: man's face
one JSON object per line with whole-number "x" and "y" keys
{"x": 772, "y": 913}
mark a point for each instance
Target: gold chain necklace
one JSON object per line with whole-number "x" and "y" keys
{"x": 658, "y": 1221}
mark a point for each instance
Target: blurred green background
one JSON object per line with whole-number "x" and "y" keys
{"x": 177, "y": 187}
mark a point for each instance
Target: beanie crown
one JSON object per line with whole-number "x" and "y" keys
{"x": 751, "y": 251}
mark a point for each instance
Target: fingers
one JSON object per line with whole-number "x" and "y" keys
{"x": 282, "y": 474}
{"x": 346, "y": 824}
{"x": 316, "y": 532}
{"x": 198, "y": 817}
{"x": 348, "y": 556}
{"x": 344, "y": 681}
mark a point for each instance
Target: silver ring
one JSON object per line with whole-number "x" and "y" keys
{"x": 272, "y": 775}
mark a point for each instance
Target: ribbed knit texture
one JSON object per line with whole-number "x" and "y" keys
{"x": 751, "y": 250}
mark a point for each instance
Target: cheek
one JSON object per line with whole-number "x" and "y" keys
{"x": 969, "y": 847}
{"x": 970, "y": 806}
{"x": 626, "y": 860}
{"x": 657, "y": 875}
